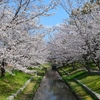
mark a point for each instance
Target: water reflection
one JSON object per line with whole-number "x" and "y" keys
{"x": 52, "y": 88}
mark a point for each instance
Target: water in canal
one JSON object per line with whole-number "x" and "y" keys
{"x": 53, "y": 88}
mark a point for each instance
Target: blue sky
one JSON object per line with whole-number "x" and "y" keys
{"x": 55, "y": 19}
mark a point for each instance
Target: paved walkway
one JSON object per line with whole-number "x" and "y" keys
{"x": 52, "y": 88}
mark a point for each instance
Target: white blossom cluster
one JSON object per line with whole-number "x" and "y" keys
{"x": 21, "y": 36}
{"x": 79, "y": 39}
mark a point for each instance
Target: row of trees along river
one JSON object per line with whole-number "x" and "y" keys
{"x": 22, "y": 37}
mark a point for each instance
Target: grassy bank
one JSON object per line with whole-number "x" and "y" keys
{"x": 30, "y": 90}
{"x": 90, "y": 80}
{"x": 32, "y": 87}
{"x": 10, "y": 84}
{"x": 47, "y": 65}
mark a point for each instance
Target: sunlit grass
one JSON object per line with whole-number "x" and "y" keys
{"x": 80, "y": 91}
{"x": 76, "y": 75}
{"x": 82, "y": 94}
{"x": 47, "y": 65}
{"x": 90, "y": 80}
{"x": 30, "y": 90}
{"x": 10, "y": 84}
{"x": 93, "y": 82}
{"x": 62, "y": 72}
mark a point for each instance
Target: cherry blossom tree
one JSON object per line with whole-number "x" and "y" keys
{"x": 85, "y": 18}
{"x": 87, "y": 22}
{"x": 21, "y": 41}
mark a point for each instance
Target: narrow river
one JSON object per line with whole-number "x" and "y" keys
{"x": 53, "y": 88}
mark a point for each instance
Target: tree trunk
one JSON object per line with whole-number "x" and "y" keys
{"x": 98, "y": 65}
{"x": 63, "y": 64}
{"x": 97, "y": 62}
{"x": 2, "y": 72}
{"x": 73, "y": 65}
{"x": 88, "y": 69}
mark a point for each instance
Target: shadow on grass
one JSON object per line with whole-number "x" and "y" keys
{"x": 78, "y": 75}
